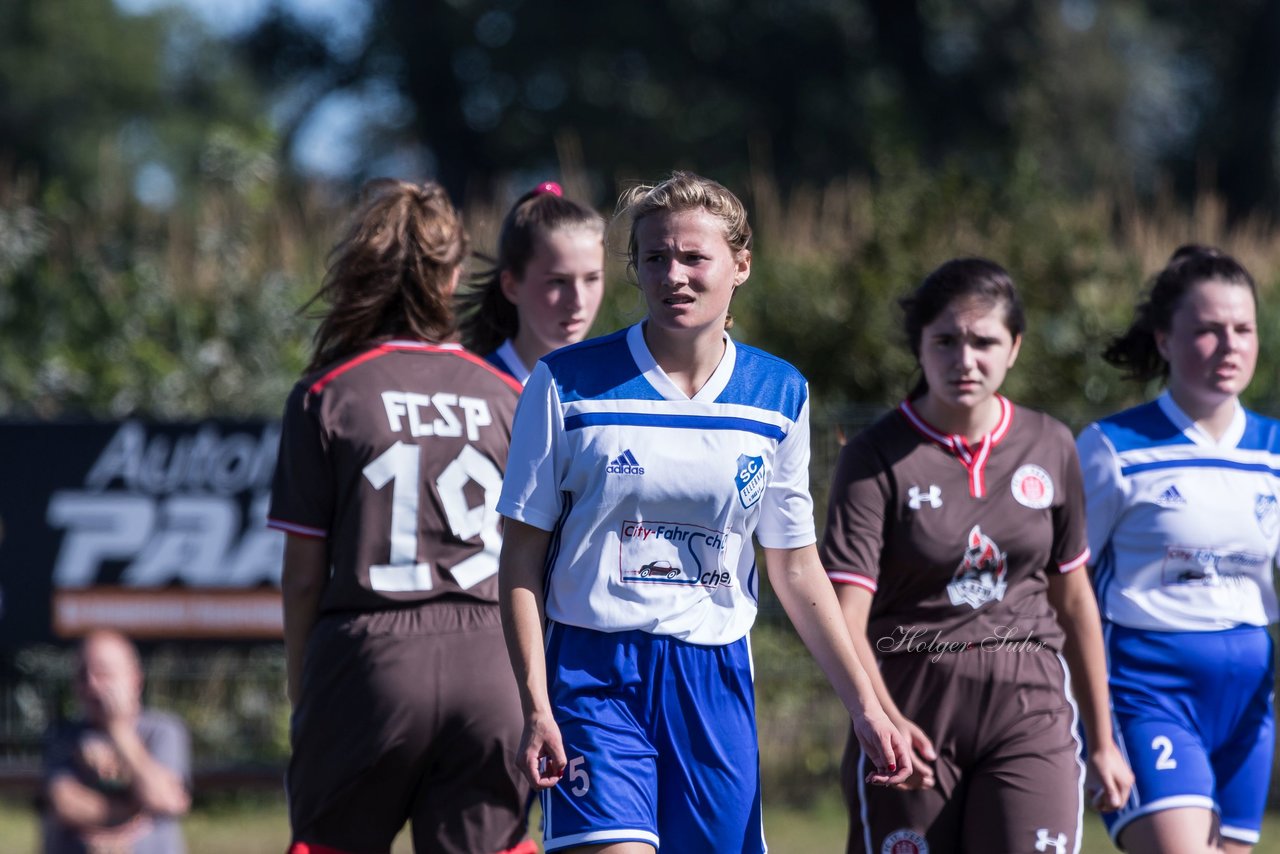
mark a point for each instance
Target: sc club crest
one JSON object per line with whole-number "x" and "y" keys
{"x": 980, "y": 577}
{"x": 1267, "y": 512}
{"x": 750, "y": 479}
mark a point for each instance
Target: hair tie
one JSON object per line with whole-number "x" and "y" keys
{"x": 548, "y": 187}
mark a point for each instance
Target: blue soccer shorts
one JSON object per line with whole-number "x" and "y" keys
{"x": 1193, "y": 715}
{"x": 660, "y": 738}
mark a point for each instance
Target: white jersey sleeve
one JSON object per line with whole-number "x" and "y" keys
{"x": 1105, "y": 491}
{"x": 535, "y": 465}
{"x": 786, "y": 516}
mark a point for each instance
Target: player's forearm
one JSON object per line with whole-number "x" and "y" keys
{"x": 520, "y": 584}
{"x": 806, "y": 595}
{"x": 1089, "y": 686}
{"x": 156, "y": 788}
{"x": 74, "y": 804}
{"x": 522, "y": 625}
{"x": 299, "y": 617}
{"x": 302, "y": 583}
{"x": 855, "y": 606}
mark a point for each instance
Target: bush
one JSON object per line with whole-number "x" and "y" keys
{"x": 108, "y": 309}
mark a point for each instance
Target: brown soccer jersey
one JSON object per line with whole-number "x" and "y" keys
{"x": 957, "y": 540}
{"x": 395, "y": 455}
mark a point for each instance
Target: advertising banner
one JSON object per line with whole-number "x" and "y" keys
{"x": 154, "y": 529}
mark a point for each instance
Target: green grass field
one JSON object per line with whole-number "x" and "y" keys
{"x": 259, "y": 827}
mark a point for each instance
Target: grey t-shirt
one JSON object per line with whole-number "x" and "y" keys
{"x": 83, "y": 751}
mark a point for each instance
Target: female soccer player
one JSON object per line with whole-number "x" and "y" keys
{"x": 1184, "y": 525}
{"x": 545, "y": 289}
{"x": 641, "y": 466}
{"x": 956, "y": 539}
{"x": 390, "y": 464}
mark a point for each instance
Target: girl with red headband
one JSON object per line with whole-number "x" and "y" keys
{"x": 545, "y": 287}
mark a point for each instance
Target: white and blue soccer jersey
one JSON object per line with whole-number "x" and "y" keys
{"x": 1184, "y": 528}
{"x": 652, "y": 496}
{"x": 507, "y": 360}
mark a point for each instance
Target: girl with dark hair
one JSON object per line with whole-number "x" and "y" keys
{"x": 1184, "y": 526}
{"x": 391, "y": 458}
{"x": 956, "y": 540}
{"x": 644, "y": 463}
{"x": 545, "y": 289}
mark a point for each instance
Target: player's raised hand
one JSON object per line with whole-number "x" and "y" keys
{"x": 541, "y": 754}
{"x": 885, "y": 747}
{"x": 1107, "y": 778}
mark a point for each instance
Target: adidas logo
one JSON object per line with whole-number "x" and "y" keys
{"x": 1171, "y": 497}
{"x": 626, "y": 463}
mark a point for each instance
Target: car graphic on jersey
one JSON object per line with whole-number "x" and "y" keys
{"x": 1194, "y": 566}
{"x": 1208, "y": 567}
{"x": 659, "y": 569}
{"x": 660, "y": 572}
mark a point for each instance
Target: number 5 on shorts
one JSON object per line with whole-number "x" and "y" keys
{"x": 579, "y": 774}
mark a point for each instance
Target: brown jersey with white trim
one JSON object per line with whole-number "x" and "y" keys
{"x": 395, "y": 456}
{"x": 957, "y": 540}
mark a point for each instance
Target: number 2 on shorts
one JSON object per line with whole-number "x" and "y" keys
{"x": 1165, "y": 761}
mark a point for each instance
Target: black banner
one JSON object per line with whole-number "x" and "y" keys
{"x": 154, "y": 529}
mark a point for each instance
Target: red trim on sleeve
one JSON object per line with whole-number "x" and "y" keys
{"x": 298, "y": 530}
{"x": 974, "y": 461}
{"x": 1076, "y": 562}
{"x": 841, "y": 577}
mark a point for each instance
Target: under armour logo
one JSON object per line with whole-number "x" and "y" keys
{"x": 1044, "y": 843}
{"x": 934, "y": 497}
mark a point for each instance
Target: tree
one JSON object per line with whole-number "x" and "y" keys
{"x": 1234, "y": 47}
{"x": 80, "y": 80}
{"x": 802, "y": 93}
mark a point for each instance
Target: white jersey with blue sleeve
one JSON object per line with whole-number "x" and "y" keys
{"x": 652, "y": 497}
{"x": 1184, "y": 528}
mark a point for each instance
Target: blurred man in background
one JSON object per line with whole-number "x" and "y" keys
{"x": 116, "y": 780}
